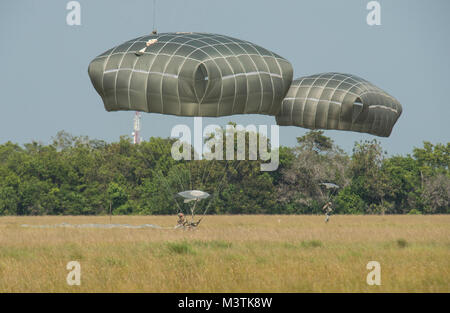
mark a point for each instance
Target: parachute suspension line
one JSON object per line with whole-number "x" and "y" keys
{"x": 182, "y": 188}
{"x": 214, "y": 193}
{"x": 192, "y": 210}
{"x": 168, "y": 187}
{"x": 324, "y": 195}
{"x": 204, "y": 180}
{"x": 154, "y": 31}
{"x": 332, "y": 194}
{"x": 203, "y": 176}
{"x": 208, "y": 171}
{"x": 217, "y": 191}
{"x": 170, "y": 191}
{"x": 190, "y": 174}
{"x": 181, "y": 183}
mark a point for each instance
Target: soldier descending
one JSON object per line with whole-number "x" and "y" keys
{"x": 327, "y": 209}
{"x": 184, "y": 223}
{"x": 181, "y": 220}
{"x": 191, "y": 196}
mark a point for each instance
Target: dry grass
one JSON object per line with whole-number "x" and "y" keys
{"x": 229, "y": 254}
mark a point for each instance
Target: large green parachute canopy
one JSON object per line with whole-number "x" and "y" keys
{"x": 339, "y": 101}
{"x": 191, "y": 74}
{"x": 201, "y": 74}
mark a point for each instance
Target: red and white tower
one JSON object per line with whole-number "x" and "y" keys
{"x": 137, "y": 128}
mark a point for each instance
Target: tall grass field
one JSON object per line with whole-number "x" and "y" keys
{"x": 260, "y": 253}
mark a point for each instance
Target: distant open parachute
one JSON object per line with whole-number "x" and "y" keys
{"x": 193, "y": 195}
{"x": 201, "y": 74}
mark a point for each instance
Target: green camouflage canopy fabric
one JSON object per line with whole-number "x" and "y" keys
{"x": 191, "y": 74}
{"x": 339, "y": 101}
{"x": 202, "y": 74}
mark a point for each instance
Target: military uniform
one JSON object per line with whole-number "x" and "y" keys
{"x": 327, "y": 208}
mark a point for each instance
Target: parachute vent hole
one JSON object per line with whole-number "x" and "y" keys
{"x": 358, "y": 102}
{"x": 358, "y": 108}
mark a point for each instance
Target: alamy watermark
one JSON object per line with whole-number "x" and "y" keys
{"x": 73, "y": 17}
{"x": 74, "y": 276}
{"x": 374, "y": 16}
{"x": 209, "y": 142}
{"x": 374, "y": 276}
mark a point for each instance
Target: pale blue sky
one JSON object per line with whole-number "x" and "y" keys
{"x": 45, "y": 86}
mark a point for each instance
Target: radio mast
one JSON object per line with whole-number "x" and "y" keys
{"x": 137, "y": 128}
{"x": 137, "y": 116}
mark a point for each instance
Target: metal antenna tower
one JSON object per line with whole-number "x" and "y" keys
{"x": 137, "y": 128}
{"x": 137, "y": 115}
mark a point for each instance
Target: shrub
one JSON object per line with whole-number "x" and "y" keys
{"x": 402, "y": 243}
{"x": 180, "y": 247}
{"x": 311, "y": 243}
{"x": 348, "y": 202}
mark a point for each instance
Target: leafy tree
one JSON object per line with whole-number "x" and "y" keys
{"x": 78, "y": 175}
{"x": 348, "y": 202}
{"x": 436, "y": 194}
{"x": 402, "y": 182}
{"x": 118, "y": 198}
{"x": 316, "y": 160}
{"x": 369, "y": 182}
{"x": 432, "y": 159}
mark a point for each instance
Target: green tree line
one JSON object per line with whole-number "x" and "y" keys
{"x": 78, "y": 175}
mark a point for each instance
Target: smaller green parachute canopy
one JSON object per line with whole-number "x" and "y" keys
{"x": 191, "y": 74}
{"x": 339, "y": 101}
